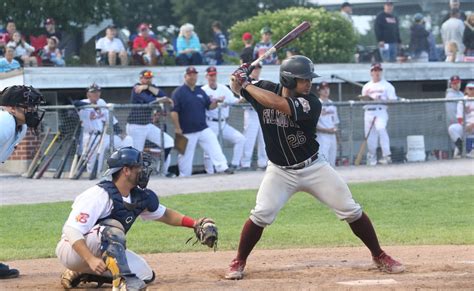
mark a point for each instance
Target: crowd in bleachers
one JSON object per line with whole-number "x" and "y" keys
{"x": 163, "y": 47}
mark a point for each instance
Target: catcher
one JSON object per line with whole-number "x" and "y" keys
{"x": 93, "y": 242}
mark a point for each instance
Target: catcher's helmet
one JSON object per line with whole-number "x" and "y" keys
{"x": 296, "y": 67}
{"x": 130, "y": 157}
{"x": 22, "y": 96}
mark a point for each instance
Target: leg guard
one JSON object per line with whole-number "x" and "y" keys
{"x": 113, "y": 245}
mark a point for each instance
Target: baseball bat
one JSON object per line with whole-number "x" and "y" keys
{"x": 289, "y": 37}
{"x": 364, "y": 144}
{"x": 41, "y": 159}
{"x": 38, "y": 153}
{"x": 85, "y": 151}
{"x": 93, "y": 174}
{"x": 78, "y": 146}
{"x": 66, "y": 154}
{"x": 82, "y": 166}
{"x": 50, "y": 158}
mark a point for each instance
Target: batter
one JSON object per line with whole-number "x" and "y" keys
{"x": 288, "y": 113}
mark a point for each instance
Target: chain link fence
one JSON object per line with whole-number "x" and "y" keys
{"x": 428, "y": 118}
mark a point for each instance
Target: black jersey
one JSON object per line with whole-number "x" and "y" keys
{"x": 289, "y": 140}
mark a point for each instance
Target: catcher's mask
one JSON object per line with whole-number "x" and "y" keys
{"x": 131, "y": 157}
{"x": 29, "y": 99}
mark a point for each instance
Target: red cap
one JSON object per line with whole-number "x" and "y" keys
{"x": 191, "y": 70}
{"x": 211, "y": 70}
{"x": 143, "y": 26}
{"x": 49, "y": 21}
{"x": 376, "y": 67}
{"x": 247, "y": 36}
{"x": 455, "y": 79}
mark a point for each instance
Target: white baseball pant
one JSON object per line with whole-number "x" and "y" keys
{"x": 118, "y": 144}
{"x": 253, "y": 133}
{"x": 228, "y": 134}
{"x": 208, "y": 142}
{"x": 71, "y": 260}
{"x": 142, "y": 132}
{"x": 379, "y": 132}
{"x": 328, "y": 147}
{"x": 455, "y": 131}
{"x": 319, "y": 179}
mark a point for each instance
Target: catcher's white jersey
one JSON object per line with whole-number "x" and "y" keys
{"x": 9, "y": 137}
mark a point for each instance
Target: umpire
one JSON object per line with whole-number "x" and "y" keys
{"x": 20, "y": 111}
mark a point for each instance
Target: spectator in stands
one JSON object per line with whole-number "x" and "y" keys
{"x": 419, "y": 45}
{"x": 152, "y": 55}
{"x": 141, "y": 42}
{"x": 452, "y": 53}
{"x": 454, "y": 4}
{"x": 189, "y": 119}
{"x": 452, "y": 31}
{"x": 8, "y": 63}
{"x": 346, "y": 12}
{"x": 456, "y": 130}
{"x": 188, "y": 47}
{"x": 246, "y": 56}
{"x": 139, "y": 121}
{"x": 8, "y": 36}
{"x": 50, "y": 27}
{"x": 51, "y": 55}
{"x": 468, "y": 36}
{"x": 453, "y": 92}
{"x": 111, "y": 48}
{"x": 217, "y": 119}
{"x": 23, "y": 50}
{"x": 264, "y": 45}
{"x": 387, "y": 33}
{"x": 221, "y": 42}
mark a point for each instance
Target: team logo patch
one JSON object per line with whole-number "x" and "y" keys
{"x": 82, "y": 217}
{"x": 304, "y": 103}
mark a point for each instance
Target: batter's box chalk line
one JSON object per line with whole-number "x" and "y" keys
{"x": 368, "y": 282}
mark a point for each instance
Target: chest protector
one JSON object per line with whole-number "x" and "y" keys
{"x": 124, "y": 212}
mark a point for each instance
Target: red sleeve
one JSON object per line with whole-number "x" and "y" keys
{"x": 137, "y": 43}
{"x": 157, "y": 44}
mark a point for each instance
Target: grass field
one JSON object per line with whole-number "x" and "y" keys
{"x": 409, "y": 212}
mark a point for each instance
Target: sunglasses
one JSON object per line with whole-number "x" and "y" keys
{"x": 147, "y": 75}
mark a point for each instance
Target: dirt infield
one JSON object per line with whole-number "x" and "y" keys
{"x": 428, "y": 267}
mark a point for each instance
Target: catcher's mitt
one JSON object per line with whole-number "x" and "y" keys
{"x": 206, "y": 232}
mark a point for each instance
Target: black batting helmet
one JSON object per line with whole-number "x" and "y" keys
{"x": 296, "y": 67}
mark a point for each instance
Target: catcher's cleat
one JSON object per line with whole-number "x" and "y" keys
{"x": 236, "y": 270}
{"x": 70, "y": 279}
{"x": 7, "y": 273}
{"x": 386, "y": 264}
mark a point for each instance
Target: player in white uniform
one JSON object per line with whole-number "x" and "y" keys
{"x": 456, "y": 129}
{"x": 93, "y": 241}
{"x": 214, "y": 120}
{"x": 20, "y": 111}
{"x": 93, "y": 120}
{"x": 253, "y": 132}
{"x": 326, "y": 128}
{"x": 377, "y": 89}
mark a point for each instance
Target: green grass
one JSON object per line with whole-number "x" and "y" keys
{"x": 409, "y": 212}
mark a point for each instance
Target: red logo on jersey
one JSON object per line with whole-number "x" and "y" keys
{"x": 82, "y": 217}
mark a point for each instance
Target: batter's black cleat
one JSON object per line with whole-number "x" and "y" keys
{"x": 7, "y": 273}
{"x": 236, "y": 270}
{"x": 386, "y": 264}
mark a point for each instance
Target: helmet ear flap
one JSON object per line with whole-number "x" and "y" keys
{"x": 288, "y": 82}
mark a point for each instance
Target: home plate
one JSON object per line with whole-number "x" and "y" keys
{"x": 368, "y": 282}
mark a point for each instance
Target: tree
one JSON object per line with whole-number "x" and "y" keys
{"x": 69, "y": 15}
{"x": 330, "y": 39}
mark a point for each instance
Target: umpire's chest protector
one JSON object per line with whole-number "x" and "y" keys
{"x": 124, "y": 212}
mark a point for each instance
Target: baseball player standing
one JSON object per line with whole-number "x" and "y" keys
{"x": 326, "y": 128}
{"x": 93, "y": 241}
{"x": 456, "y": 129}
{"x": 189, "y": 119}
{"x": 218, "y": 122}
{"x": 378, "y": 89}
{"x": 253, "y": 132}
{"x": 139, "y": 122}
{"x": 20, "y": 111}
{"x": 288, "y": 113}
{"x": 93, "y": 121}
